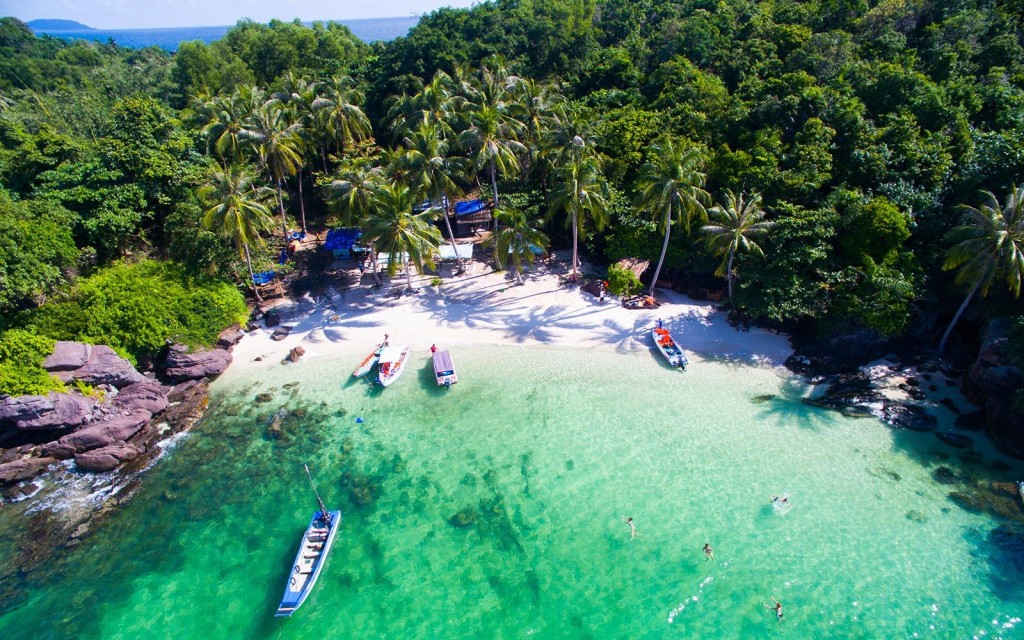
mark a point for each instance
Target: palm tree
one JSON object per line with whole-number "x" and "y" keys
{"x": 229, "y": 120}
{"x": 296, "y": 98}
{"x": 537, "y": 107}
{"x": 393, "y": 228}
{"x": 339, "y": 119}
{"x": 352, "y": 191}
{"x": 517, "y": 240}
{"x": 492, "y": 144}
{"x": 988, "y": 247}
{"x": 279, "y": 147}
{"x": 671, "y": 186}
{"x": 236, "y": 209}
{"x": 736, "y": 224}
{"x": 581, "y": 191}
{"x": 432, "y": 170}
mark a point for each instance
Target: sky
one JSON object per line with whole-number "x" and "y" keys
{"x": 144, "y": 14}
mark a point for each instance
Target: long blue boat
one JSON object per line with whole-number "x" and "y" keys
{"x": 309, "y": 561}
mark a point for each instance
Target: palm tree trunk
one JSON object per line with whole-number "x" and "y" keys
{"x": 451, "y": 234}
{"x": 302, "y": 205}
{"x": 959, "y": 312}
{"x": 280, "y": 205}
{"x": 408, "y": 274}
{"x": 252, "y": 276}
{"x": 664, "y": 249}
{"x": 323, "y": 158}
{"x": 575, "y": 239}
{"x": 494, "y": 190}
{"x": 728, "y": 274}
{"x": 375, "y": 265}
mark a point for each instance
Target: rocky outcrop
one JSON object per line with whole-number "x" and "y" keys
{"x": 103, "y": 366}
{"x": 991, "y": 383}
{"x": 98, "y": 434}
{"x": 149, "y": 395}
{"x": 838, "y": 354}
{"x": 23, "y": 469}
{"x": 229, "y": 337}
{"x": 106, "y": 458}
{"x": 52, "y": 411}
{"x": 193, "y": 366}
{"x": 67, "y": 356}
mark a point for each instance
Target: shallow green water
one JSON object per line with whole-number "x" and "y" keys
{"x": 547, "y": 449}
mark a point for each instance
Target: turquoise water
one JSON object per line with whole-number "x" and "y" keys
{"x": 542, "y": 451}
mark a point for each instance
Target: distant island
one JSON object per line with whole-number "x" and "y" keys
{"x": 57, "y": 25}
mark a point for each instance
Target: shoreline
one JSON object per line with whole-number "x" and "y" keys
{"x": 486, "y": 307}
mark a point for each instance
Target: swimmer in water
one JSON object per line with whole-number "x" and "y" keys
{"x": 708, "y": 553}
{"x": 778, "y": 609}
{"x": 632, "y": 527}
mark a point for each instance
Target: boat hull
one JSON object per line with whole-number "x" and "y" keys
{"x": 444, "y": 369}
{"x": 392, "y": 364}
{"x": 669, "y": 349}
{"x": 309, "y": 562}
{"x": 367, "y": 364}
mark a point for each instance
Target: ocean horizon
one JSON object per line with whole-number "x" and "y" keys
{"x": 366, "y": 29}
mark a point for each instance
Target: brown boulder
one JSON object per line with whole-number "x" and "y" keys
{"x": 67, "y": 356}
{"x": 23, "y": 469}
{"x": 106, "y": 458}
{"x": 192, "y": 366}
{"x": 229, "y": 337}
{"x": 106, "y": 432}
{"x": 104, "y": 367}
{"x": 148, "y": 394}
{"x": 296, "y": 353}
{"x": 52, "y": 411}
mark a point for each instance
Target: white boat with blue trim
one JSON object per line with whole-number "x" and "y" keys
{"x": 309, "y": 561}
{"x": 667, "y": 345}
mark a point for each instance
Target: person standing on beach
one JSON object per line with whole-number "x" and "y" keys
{"x": 632, "y": 527}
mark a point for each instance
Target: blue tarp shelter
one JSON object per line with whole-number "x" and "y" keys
{"x": 341, "y": 241}
{"x": 263, "y": 277}
{"x": 469, "y": 207}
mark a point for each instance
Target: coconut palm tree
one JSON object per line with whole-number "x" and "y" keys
{"x": 296, "y": 98}
{"x": 393, "y": 228}
{"x": 278, "y": 146}
{"x": 517, "y": 241}
{"x": 352, "y": 191}
{"x": 340, "y": 121}
{"x": 431, "y": 170}
{"x": 236, "y": 209}
{"x": 537, "y": 107}
{"x": 229, "y": 120}
{"x": 671, "y": 186}
{"x": 581, "y": 192}
{"x": 989, "y": 247}
{"x": 735, "y": 225}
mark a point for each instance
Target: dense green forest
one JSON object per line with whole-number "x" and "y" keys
{"x": 831, "y": 164}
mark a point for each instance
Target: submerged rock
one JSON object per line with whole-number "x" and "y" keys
{"x": 945, "y": 475}
{"x": 909, "y": 417}
{"x": 973, "y": 421}
{"x": 465, "y": 518}
{"x": 957, "y": 440}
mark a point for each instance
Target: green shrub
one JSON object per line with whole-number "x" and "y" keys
{"x": 136, "y": 308}
{"x": 21, "y": 354}
{"x": 623, "y": 282}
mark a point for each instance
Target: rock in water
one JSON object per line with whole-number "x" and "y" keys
{"x": 106, "y": 458}
{"x": 23, "y": 469}
{"x": 909, "y": 417}
{"x": 956, "y": 440}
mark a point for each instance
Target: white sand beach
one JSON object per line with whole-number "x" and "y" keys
{"x": 484, "y": 306}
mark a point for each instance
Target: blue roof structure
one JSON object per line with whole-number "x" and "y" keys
{"x": 468, "y": 207}
{"x": 342, "y": 239}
